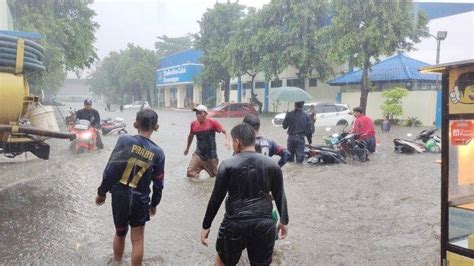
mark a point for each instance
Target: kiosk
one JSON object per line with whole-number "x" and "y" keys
{"x": 457, "y": 174}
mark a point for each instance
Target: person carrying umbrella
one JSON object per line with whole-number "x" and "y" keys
{"x": 298, "y": 124}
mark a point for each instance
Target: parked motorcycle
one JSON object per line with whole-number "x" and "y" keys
{"x": 430, "y": 143}
{"x": 338, "y": 147}
{"x": 86, "y": 136}
{"x": 115, "y": 126}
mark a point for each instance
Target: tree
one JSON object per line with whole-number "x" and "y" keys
{"x": 68, "y": 29}
{"x": 293, "y": 34}
{"x": 130, "y": 72}
{"x": 216, "y": 28}
{"x": 167, "y": 45}
{"x": 364, "y": 30}
{"x": 392, "y": 106}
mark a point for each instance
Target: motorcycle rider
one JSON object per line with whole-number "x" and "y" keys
{"x": 92, "y": 115}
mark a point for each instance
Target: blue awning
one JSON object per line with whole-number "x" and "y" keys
{"x": 398, "y": 68}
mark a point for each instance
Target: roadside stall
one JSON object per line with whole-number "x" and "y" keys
{"x": 457, "y": 174}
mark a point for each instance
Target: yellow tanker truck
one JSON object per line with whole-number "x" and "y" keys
{"x": 24, "y": 122}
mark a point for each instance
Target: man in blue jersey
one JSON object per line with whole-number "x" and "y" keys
{"x": 266, "y": 146}
{"x": 135, "y": 163}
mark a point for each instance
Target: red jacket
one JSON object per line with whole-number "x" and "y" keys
{"x": 364, "y": 126}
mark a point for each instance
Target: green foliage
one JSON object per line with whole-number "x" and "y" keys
{"x": 364, "y": 30}
{"x": 392, "y": 106}
{"x": 68, "y": 29}
{"x": 129, "y": 73}
{"x": 295, "y": 33}
{"x": 216, "y": 28}
{"x": 413, "y": 122}
{"x": 167, "y": 45}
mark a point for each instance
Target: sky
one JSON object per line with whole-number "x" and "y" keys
{"x": 141, "y": 21}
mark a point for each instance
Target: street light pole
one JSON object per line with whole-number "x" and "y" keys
{"x": 440, "y": 35}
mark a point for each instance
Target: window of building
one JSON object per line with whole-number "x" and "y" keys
{"x": 247, "y": 86}
{"x": 259, "y": 85}
{"x": 276, "y": 83}
{"x": 313, "y": 82}
{"x": 233, "y": 87}
{"x": 293, "y": 83}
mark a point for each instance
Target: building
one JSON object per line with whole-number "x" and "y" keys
{"x": 397, "y": 71}
{"x": 176, "y": 82}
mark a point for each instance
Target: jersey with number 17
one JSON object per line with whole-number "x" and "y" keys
{"x": 136, "y": 161}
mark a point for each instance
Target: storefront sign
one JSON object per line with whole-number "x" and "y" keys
{"x": 461, "y": 90}
{"x": 462, "y": 132}
{"x": 177, "y": 74}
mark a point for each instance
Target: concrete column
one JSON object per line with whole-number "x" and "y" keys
{"x": 180, "y": 95}
{"x": 197, "y": 94}
{"x": 265, "y": 97}
{"x": 167, "y": 96}
{"x": 239, "y": 89}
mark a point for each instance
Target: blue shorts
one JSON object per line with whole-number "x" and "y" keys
{"x": 128, "y": 209}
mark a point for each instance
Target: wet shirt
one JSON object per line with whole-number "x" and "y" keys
{"x": 364, "y": 127}
{"x": 247, "y": 178}
{"x": 92, "y": 116}
{"x": 269, "y": 148}
{"x": 136, "y": 161}
{"x": 297, "y": 122}
{"x": 206, "y": 137}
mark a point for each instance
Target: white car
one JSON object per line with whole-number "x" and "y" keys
{"x": 137, "y": 105}
{"x": 327, "y": 114}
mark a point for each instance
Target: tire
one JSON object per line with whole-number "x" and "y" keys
{"x": 342, "y": 123}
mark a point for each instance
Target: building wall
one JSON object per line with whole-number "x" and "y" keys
{"x": 320, "y": 93}
{"x": 420, "y": 104}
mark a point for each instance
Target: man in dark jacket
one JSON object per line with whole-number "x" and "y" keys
{"x": 250, "y": 180}
{"x": 92, "y": 115}
{"x": 298, "y": 124}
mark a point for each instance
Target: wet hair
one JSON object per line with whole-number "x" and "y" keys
{"x": 358, "y": 110}
{"x": 244, "y": 133}
{"x": 299, "y": 105}
{"x": 252, "y": 120}
{"x": 88, "y": 102}
{"x": 464, "y": 80}
{"x": 147, "y": 119}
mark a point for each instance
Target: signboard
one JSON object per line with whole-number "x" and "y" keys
{"x": 178, "y": 74}
{"x": 462, "y": 132}
{"x": 461, "y": 90}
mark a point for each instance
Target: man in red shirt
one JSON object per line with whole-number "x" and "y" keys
{"x": 205, "y": 156}
{"x": 364, "y": 127}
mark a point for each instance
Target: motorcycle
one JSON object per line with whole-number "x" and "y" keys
{"x": 430, "y": 143}
{"x": 86, "y": 136}
{"x": 338, "y": 147}
{"x": 116, "y": 126}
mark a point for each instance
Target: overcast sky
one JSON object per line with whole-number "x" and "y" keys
{"x": 140, "y": 21}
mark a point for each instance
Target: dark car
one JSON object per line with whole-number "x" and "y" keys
{"x": 232, "y": 110}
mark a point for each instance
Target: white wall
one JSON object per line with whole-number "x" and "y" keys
{"x": 6, "y": 21}
{"x": 420, "y": 104}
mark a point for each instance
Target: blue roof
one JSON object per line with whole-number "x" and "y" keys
{"x": 184, "y": 57}
{"x": 440, "y": 10}
{"x": 22, "y": 34}
{"x": 393, "y": 69}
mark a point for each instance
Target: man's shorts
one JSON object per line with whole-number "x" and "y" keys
{"x": 196, "y": 165}
{"x": 258, "y": 236}
{"x": 128, "y": 209}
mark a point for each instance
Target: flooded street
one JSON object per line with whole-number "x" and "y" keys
{"x": 382, "y": 212}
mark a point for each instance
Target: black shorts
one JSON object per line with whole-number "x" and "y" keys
{"x": 128, "y": 209}
{"x": 257, "y": 235}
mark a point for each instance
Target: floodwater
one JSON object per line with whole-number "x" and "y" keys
{"x": 382, "y": 212}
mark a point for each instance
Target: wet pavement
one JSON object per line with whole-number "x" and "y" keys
{"x": 382, "y": 212}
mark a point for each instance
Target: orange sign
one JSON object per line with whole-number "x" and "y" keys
{"x": 462, "y": 132}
